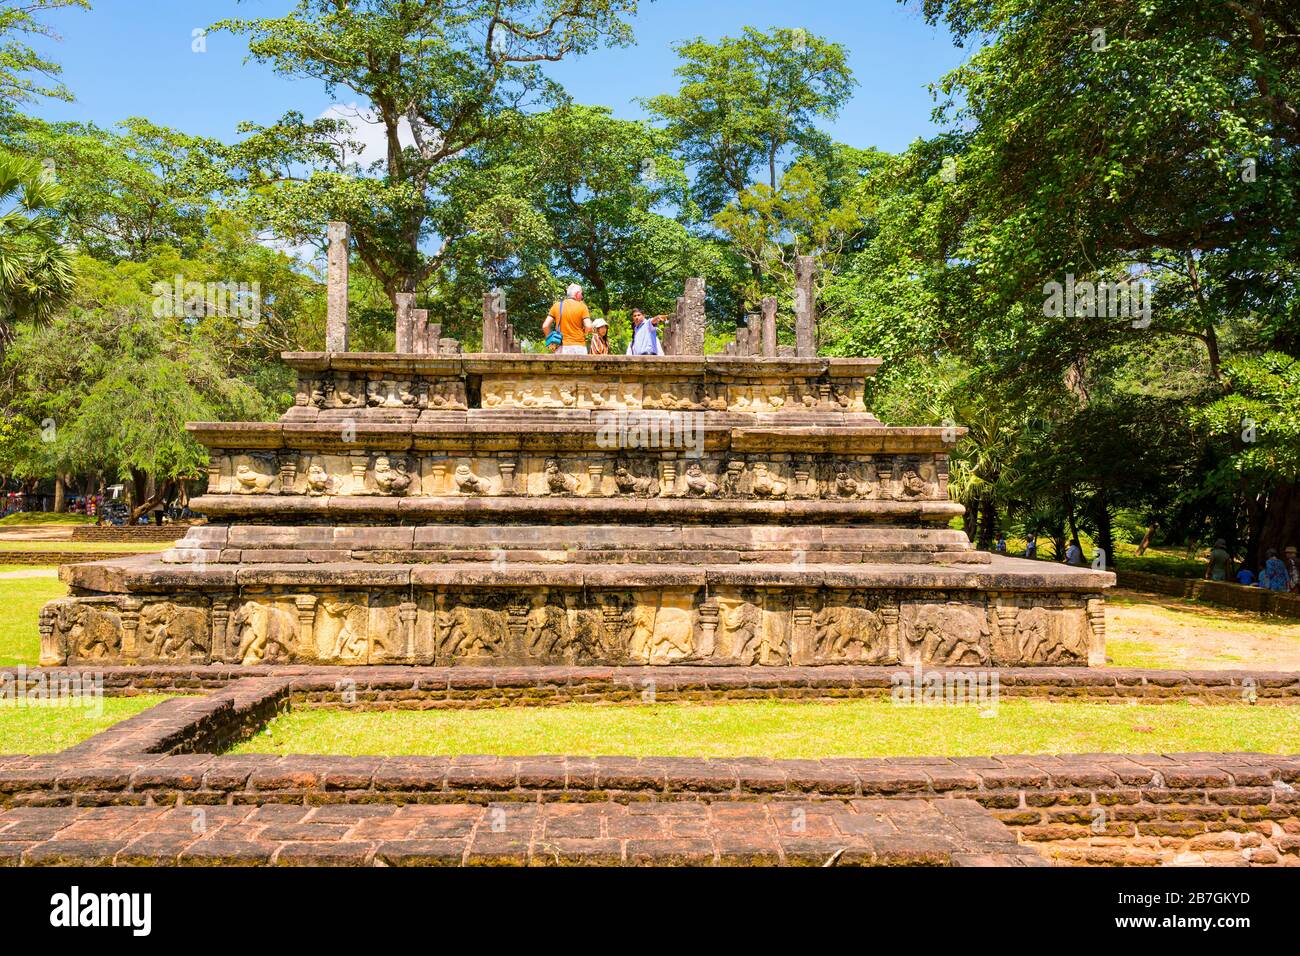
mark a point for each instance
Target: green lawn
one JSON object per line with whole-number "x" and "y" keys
{"x": 42, "y": 729}
{"x": 858, "y": 728}
{"x": 124, "y": 546}
{"x": 24, "y": 519}
{"x": 20, "y": 604}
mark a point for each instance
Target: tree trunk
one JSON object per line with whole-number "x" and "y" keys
{"x": 971, "y": 521}
{"x": 1281, "y": 519}
{"x": 1146, "y": 539}
{"x": 60, "y": 494}
{"x": 1105, "y": 531}
{"x": 988, "y": 521}
{"x": 144, "y": 507}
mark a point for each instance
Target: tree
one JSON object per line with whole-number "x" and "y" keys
{"x": 438, "y": 80}
{"x": 25, "y": 74}
{"x": 812, "y": 212}
{"x": 1099, "y": 141}
{"x": 745, "y": 99}
{"x": 107, "y": 386}
{"x": 36, "y": 272}
{"x": 124, "y": 192}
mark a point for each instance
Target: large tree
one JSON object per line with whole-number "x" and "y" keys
{"x": 26, "y": 74}
{"x": 744, "y": 100}
{"x": 437, "y": 79}
{"x": 36, "y": 273}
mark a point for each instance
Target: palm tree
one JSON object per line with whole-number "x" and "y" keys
{"x": 36, "y": 272}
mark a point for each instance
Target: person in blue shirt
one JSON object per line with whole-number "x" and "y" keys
{"x": 1074, "y": 554}
{"x": 1245, "y": 577}
{"x": 1274, "y": 576}
{"x": 645, "y": 336}
{"x": 1031, "y": 545}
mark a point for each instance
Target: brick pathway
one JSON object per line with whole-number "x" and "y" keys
{"x": 864, "y": 832}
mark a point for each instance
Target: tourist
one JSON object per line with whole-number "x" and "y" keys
{"x": 1000, "y": 546}
{"x": 1293, "y": 568}
{"x": 1245, "y": 577}
{"x": 600, "y": 337}
{"x": 645, "y": 337}
{"x": 1274, "y": 575}
{"x": 571, "y": 318}
{"x": 1074, "y": 554}
{"x": 1217, "y": 567}
{"x": 1031, "y": 545}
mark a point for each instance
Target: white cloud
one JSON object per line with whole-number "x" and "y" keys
{"x": 368, "y": 130}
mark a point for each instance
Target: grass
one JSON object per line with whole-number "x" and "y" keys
{"x": 27, "y": 519}
{"x": 124, "y": 546}
{"x": 50, "y": 728}
{"x": 20, "y": 604}
{"x": 785, "y": 729}
{"x": 1171, "y": 561}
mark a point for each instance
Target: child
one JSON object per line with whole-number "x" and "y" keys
{"x": 600, "y": 337}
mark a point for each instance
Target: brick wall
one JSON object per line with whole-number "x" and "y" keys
{"x": 1213, "y": 592}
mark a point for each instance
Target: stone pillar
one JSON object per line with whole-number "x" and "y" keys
{"x": 406, "y": 613}
{"x": 306, "y": 605}
{"x": 490, "y": 340}
{"x": 220, "y": 627}
{"x": 769, "y": 327}
{"x": 748, "y": 340}
{"x": 419, "y": 331}
{"x": 672, "y": 341}
{"x": 336, "y": 325}
{"x": 405, "y": 319}
{"x": 708, "y": 619}
{"x": 1096, "y": 610}
{"x": 803, "y": 636}
{"x": 432, "y": 337}
{"x": 889, "y": 613}
{"x": 131, "y": 608}
{"x": 805, "y": 306}
{"x": 690, "y": 336}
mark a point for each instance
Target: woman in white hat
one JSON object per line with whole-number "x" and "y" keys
{"x": 599, "y": 337}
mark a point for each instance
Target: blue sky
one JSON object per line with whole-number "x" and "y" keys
{"x": 134, "y": 58}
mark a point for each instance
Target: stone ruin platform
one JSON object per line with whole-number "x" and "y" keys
{"x": 448, "y": 509}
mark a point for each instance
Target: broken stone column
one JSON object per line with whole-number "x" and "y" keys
{"x": 405, "y": 317}
{"x": 497, "y": 334}
{"x": 769, "y": 327}
{"x": 336, "y": 323}
{"x": 670, "y": 340}
{"x": 690, "y": 334}
{"x": 419, "y": 337}
{"x": 805, "y": 304}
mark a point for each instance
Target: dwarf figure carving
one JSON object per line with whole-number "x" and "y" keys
{"x": 557, "y": 482}
{"x": 765, "y": 484}
{"x": 467, "y": 482}
{"x": 845, "y": 486}
{"x": 697, "y": 482}
{"x": 630, "y": 484}
{"x": 251, "y": 481}
{"x": 318, "y": 480}
{"x": 392, "y": 479}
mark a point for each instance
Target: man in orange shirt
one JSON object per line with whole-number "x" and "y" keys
{"x": 573, "y": 319}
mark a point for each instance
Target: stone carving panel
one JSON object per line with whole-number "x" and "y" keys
{"x": 944, "y": 633}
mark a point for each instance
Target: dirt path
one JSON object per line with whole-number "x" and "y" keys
{"x": 61, "y": 532}
{"x": 31, "y": 573}
{"x": 1148, "y": 630}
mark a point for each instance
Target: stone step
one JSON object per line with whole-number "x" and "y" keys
{"x": 584, "y": 544}
{"x": 364, "y": 509}
{"x": 859, "y": 832}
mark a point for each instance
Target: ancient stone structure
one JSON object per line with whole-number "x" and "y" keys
{"x": 433, "y": 508}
